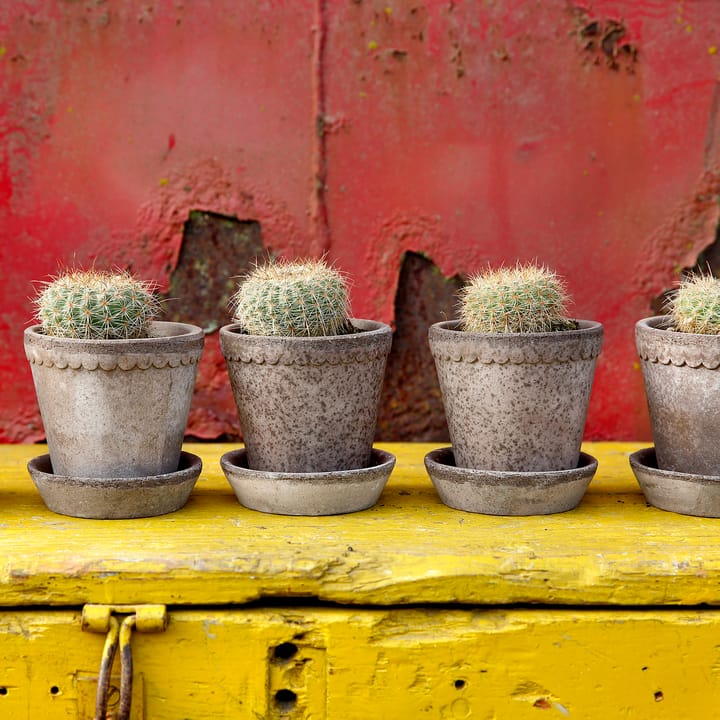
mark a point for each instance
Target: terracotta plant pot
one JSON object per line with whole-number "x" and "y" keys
{"x": 115, "y": 408}
{"x": 307, "y": 404}
{"x": 516, "y": 402}
{"x": 682, "y": 383}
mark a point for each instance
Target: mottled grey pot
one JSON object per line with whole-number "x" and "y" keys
{"x": 324, "y": 493}
{"x": 115, "y": 498}
{"x": 307, "y": 404}
{"x": 684, "y": 493}
{"x": 492, "y": 492}
{"x": 516, "y": 401}
{"x": 682, "y": 384}
{"x": 115, "y": 408}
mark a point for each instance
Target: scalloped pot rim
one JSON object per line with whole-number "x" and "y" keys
{"x": 172, "y": 344}
{"x": 658, "y": 343}
{"x": 449, "y": 343}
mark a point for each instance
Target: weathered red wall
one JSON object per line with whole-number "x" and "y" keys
{"x": 581, "y": 134}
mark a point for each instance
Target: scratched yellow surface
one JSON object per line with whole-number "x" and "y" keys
{"x": 452, "y": 656}
{"x": 376, "y": 664}
{"x": 410, "y": 549}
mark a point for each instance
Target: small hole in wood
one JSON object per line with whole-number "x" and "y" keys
{"x": 285, "y": 651}
{"x": 54, "y": 690}
{"x": 3, "y": 691}
{"x": 459, "y": 684}
{"x": 285, "y": 700}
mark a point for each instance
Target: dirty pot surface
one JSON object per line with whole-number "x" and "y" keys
{"x": 681, "y": 372}
{"x": 307, "y": 404}
{"x": 115, "y": 408}
{"x": 516, "y": 401}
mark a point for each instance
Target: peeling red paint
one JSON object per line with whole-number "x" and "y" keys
{"x": 472, "y": 133}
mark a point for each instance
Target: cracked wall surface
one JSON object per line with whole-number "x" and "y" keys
{"x": 584, "y": 135}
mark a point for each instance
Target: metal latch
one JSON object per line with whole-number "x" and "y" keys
{"x": 103, "y": 619}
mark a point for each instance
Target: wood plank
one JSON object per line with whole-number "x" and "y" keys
{"x": 354, "y": 664}
{"x": 613, "y": 549}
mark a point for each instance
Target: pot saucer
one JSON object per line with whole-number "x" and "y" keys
{"x": 494, "y": 492}
{"x": 322, "y": 493}
{"x": 684, "y": 493}
{"x": 115, "y": 498}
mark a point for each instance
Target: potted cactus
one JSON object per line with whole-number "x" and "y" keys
{"x": 515, "y": 376}
{"x": 114, "y": 388}
{"x": 680, "y": 360}
{"x": 306, "y": 380}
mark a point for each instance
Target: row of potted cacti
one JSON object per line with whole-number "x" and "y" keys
{"x": 114, "y": 387}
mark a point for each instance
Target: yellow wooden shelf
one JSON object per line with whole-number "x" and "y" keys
{"x": 410, "y": 549}
{"x": 453, "y": 655}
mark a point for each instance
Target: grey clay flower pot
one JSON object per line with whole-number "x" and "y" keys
{"x": 115, "y": 408}
{"x": 307, "y": 404}
{"x": 516, "y": 401}
{"x": 682, "y": 383}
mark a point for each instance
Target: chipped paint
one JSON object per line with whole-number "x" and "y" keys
{"x": 582, "y": 134}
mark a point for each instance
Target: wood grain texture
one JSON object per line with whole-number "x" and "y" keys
{"x": 612, "y": 550}
{"x": 393, "y": 664}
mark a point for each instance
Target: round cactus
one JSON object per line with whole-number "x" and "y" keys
{"x": 520, "y": 299}
{"x": 299, "y": 299}
{"x": 695, "y": 308}
{"x": 95, "y": 305}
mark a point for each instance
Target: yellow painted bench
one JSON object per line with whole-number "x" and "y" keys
{"x": 408, "y": 610}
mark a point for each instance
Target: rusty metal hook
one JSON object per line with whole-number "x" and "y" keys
{"x": 126, "y": 666}
{"x": 108, "y": 656}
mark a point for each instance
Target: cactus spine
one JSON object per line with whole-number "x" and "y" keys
{"x": 695, "y": 308}
{"x": 95, "y": 305}
{"x": 520, "y": 299}
{"x": 293, "y": 299}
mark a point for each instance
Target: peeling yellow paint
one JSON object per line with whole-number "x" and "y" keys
{"x": 305, "y": 663}
{"x": 410, "y": 548}
{"x": 362, "y": 655}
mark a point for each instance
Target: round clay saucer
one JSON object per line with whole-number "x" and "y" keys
{"x": 683, "y": 493}
{"x": 115, "y": 498}
{"x": 494, "y": 492}
{"x": 322, "y": 493}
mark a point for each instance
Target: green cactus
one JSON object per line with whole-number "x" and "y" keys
{"x": 293, "y": 299}
{"x": 520, "y": 299}
{"x": 695, "y": 308}
{"x": 93, "y": 305}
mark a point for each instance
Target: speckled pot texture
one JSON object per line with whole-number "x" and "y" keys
{"x": 115, "y": 408}
{"x": 307, "y": 404}
{"x": 516, "y": 402}
{"x": 682, "y": 384}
